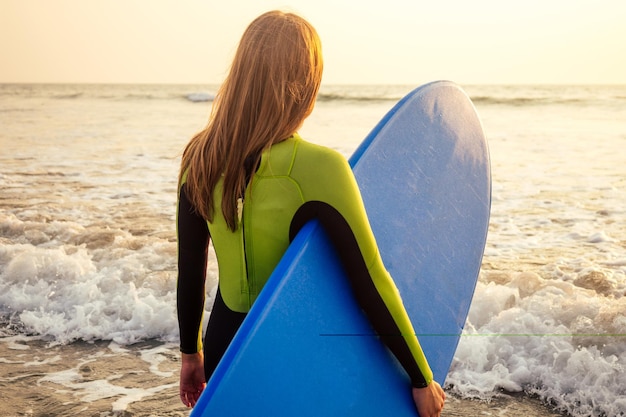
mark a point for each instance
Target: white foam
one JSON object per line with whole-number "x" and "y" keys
{"x": 47, "y": 361}
{"x": 551, "y": 338}
{"x": 600, "y": 237}
{"x": 155, "y": 357}
{"x": 200, "y": 97}
{"x": 67, "y": 292}
{"x": 89, "y": 391}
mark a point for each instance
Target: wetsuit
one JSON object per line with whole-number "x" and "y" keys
{"x": 295, "y": 182}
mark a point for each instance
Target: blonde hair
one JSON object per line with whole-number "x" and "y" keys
{"x": 270, "y": 89}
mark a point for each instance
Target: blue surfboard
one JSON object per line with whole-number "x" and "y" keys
{"x": 306, "y": 348}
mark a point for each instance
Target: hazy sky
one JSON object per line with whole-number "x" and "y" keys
{"x": 364, "y": 41}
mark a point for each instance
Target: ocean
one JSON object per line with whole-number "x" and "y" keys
{"x": 88, "y": 247}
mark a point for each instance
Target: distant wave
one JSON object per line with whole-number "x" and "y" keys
{"x": 195, "y": 97}
{"x": 525, "y": 101}
{"x": 505, "y": 95}
{"x": 522, "y": 96}
{"x": 68, "y": 96}
{"x": 200, "y": 97}
{"x": 356, "y": 96}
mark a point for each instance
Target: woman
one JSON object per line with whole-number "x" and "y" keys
{"x": 248, "y": 182}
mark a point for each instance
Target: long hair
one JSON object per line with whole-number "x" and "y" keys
{"x": 270, "y": 89}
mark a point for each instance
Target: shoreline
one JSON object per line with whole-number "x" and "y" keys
{"x": 102, "y": 379}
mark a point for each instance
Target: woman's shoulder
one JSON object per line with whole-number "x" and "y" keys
{"x": 315, "y": 151}
{"x": 295, "y": 155}
{"x": 327, "y": 165}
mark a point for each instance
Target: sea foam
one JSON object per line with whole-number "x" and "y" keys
{"x": 118, "y": 291}
{"x": 551, "y": 338}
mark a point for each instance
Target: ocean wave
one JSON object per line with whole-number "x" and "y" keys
{"x": 549, "y": 338}
{"x": 505, "y": 95}
{"x": 66, "y": 282}
{"x": 355, "y": 96}
{"x": 525, "y": 101}
{"x": 43, "y": 174}
{"x": 69, "y": 96}
{"x": 200, "y": 97}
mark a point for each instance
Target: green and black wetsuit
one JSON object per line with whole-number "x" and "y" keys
{"x": 295, "y": 182}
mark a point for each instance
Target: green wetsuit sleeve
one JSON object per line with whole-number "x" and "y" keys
{"x": 333, "y": 196}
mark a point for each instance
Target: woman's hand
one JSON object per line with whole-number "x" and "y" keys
{"x": 429, "y": 400}
{"x": 192, "y": 381}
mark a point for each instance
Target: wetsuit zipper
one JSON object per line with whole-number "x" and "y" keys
{"x": 240, "y": 204}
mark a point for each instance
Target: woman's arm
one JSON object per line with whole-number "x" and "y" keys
{"x": 332, "y": 195}
{"x": 336, "y": 201}
{"x": 193, "y": 243}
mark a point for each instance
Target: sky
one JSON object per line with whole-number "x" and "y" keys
{"x": 364, "y": 41}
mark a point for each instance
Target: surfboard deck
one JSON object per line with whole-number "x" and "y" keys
{"x": 306, "y": 348}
